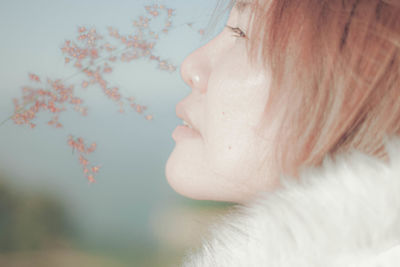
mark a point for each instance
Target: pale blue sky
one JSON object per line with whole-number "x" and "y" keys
{"x": 132, "y": 151}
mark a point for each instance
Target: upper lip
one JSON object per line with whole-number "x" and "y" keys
{"x": 182, "y": 113}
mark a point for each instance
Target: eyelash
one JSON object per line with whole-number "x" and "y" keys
{"x": 240, "y": 33}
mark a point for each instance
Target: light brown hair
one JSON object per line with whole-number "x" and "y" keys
{"x": 335, "y": 67}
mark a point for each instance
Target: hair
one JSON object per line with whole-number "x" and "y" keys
{"x": 335, "y": 67}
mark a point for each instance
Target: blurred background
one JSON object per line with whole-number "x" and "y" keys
{"x": 50, "y": 214}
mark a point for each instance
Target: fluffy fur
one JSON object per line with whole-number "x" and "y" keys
{"x": 345, "y": 213}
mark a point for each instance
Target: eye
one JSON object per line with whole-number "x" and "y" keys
{"x": 239, "y": 32}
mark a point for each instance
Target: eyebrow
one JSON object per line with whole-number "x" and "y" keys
{"x": 241, "y": 5}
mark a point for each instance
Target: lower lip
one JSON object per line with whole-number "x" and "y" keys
{"x": 183, "y": 132}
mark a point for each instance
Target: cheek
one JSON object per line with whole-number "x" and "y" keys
{"x": 233, "y": 111}
{"x": 236, "y": 154}
{"x": 236, "y": 95}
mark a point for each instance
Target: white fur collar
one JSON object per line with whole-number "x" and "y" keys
{"x": 345, "y": 213}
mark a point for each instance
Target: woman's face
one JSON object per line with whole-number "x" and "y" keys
{"x": 225, "y": 160}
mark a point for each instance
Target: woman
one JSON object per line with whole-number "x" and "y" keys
{"x": 293, "y": 113}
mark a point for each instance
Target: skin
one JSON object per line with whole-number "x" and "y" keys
{"x": 226, "y": 104}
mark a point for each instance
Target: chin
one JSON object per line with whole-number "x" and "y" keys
{"x": 184, "y": 169}
{"x": 191, "y": 176}
{"x": 190, "y": 186}
{"x": 175, "y": 171}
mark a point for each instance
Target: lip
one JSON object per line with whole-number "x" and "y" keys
{"x": 182, "y": 113}
{"x": 183, "y": 132}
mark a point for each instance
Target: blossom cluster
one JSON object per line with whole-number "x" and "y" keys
{"x": 78, "y": 144}
{"x": 53, "y": 96}
{"x": 94, "y": 56}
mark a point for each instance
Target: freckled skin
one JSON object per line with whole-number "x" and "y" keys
{"x": 226, "y": 104}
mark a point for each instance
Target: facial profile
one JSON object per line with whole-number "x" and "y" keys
{"x": 223, "y": 156}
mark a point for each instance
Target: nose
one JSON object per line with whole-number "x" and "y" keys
{"x": 195, "y": 70}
